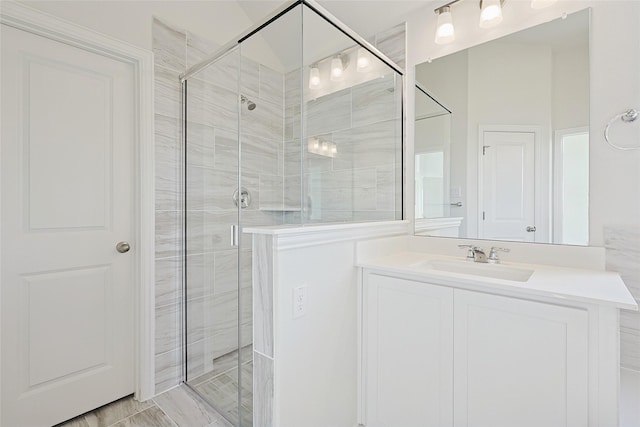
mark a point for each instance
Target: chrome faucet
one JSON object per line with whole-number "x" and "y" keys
{"x": 475, "y": 253}
{"x": 493, "y": 254}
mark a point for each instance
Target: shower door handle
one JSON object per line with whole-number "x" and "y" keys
{"x": 234, "y": 236}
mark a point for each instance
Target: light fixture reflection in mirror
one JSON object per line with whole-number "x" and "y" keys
{"x": 516, "y": 158}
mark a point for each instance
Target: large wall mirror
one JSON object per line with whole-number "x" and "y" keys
{"x": 502, "y": 138}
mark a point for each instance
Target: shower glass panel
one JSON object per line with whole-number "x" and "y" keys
{"x": 352, "y": 129}
{"x": 295, "y": 124}
{"x": 212, "y": 316}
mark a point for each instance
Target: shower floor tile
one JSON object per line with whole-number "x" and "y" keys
{"x": 222, "y": 392}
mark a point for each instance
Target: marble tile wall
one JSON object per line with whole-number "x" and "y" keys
{"x": 169, "y": 54}
{"x": 623, "y": 256}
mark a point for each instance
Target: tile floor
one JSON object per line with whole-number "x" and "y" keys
{"x": 179, "y": 407}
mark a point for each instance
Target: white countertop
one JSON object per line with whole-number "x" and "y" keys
{"x": 589, "y": 286}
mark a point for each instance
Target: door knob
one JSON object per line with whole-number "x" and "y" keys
{"x": 123, "y": 247}
{"x": 531, "y": 228}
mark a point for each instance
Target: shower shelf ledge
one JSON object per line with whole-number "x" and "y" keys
{"x": 280, "y": 208}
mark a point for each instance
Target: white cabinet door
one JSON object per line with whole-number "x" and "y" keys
{"x": 518, "y": 363}
{"x": 408, "y": 353}
{"x": 67, "y": 174}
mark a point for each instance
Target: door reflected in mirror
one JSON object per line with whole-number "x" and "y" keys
{"x": 502, "y": 138}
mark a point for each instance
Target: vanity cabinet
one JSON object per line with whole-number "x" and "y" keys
{"x": 435, "y": 355}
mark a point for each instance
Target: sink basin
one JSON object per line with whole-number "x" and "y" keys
{"x": 495, "y": 271}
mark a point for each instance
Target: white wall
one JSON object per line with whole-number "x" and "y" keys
{"x": 615, "y": 87}
{"x": 570, "y": 87}
{"x": 316, "y": 355}
{"x": 217, "y": 21}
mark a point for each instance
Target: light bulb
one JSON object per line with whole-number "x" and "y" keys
{"x": 491, "y": 13}
{"x": 316, "y": 144}
{"x": 336, "y": 68}
{"x": 445, "y": 32}
{"x": 364, "y": 61}
{"x": 325, "y": 147}
{"x": 314, "y": 77}
{"x": 541, "y": 4}
{"x": 334, "y": 149}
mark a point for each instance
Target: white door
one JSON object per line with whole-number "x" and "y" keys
{"x": 507, "y": 173}
{"x": 67, "y": 163}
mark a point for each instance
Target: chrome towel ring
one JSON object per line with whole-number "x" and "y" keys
{"x": 628, "y": 116}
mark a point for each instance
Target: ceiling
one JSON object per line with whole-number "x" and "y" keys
{"x": 320, "y": 38}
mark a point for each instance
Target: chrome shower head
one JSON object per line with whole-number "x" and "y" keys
{"x": 250, "y": 104}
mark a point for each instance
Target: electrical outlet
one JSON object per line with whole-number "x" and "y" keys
{"x": 299, "y": 301}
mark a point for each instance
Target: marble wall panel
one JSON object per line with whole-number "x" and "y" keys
{"x": 198, "y": 48}
{"x": 167, "y": 92}
{"x": 168, "y": 369}
{"x": 169, "y": 61}
{"x": 623, "y": 256}
{"x": 265, "y": 120}
{"x": 212, "y": 105}
{"x": 210, "y": 231}
{"x": 329, "y": 113}
{"x": 261, "y": 154}
{"x": 226, "y": 157}
{"x": 392, "y": 43}
{"x": 271, "y": 85}
{"x": 263, "y": 294}
{"x": 376, "y": 101}
{"x": 271, "y": 191}
{"x": 201, "y": 146}
{"x": 167, "y": 234}
{"x": 168, "y": 46}
{"x": 200, "y": 269}
{"x": 263, "y": 387}
{"x": 167, "y": 333}
{"x": 168, "y": 274}
{"x": 368, "y": 146}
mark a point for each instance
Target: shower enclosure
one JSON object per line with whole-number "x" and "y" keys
{"x": 298, "y": 121}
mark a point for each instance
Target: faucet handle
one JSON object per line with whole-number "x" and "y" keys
{"x": 469, "y": 251}
{"x": 493, "y": 254}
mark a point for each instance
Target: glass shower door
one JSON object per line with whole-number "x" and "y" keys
{"x": 212, "y": 350}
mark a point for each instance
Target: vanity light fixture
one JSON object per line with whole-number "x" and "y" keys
{"x": 490, "y": 13}
{"x": 314, "y": 77}
{"x": 490, "y": 16}
{"x": 338, "y": 64}
{"x": 541, "y": 4}
{"x": 363, "y": 61}
{"x": 445, "y": 32}
{"x": 321, "y": 147}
